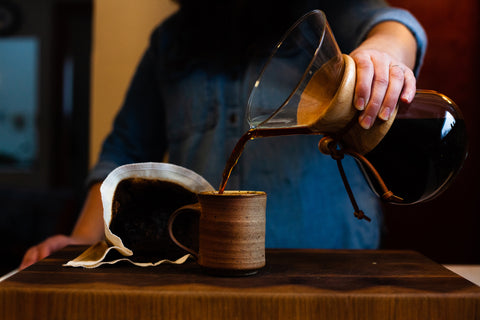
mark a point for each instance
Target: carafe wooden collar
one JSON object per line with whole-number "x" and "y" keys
{"x": 340, "y": 118}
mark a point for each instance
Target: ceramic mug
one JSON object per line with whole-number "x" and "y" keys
{"x": 231, "y": 236}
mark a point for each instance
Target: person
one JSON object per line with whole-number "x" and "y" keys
{"x": 188, "y": 96}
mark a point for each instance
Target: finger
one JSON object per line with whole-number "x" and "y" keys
{"x": 43, "y": 251}
{"x": 409, "y": 87}
{"x": 395, "y": 85}
{"x": 30, "y": 257}
{"x": 379, "y": 88}
{"x": 364, "y": 78}
{"x": 58, "y": 242}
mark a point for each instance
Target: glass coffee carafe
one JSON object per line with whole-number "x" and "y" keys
{"x": 307, "y": 87}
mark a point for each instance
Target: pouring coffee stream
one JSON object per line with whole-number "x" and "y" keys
{"x": 253, "y": 134}
{"x": 307, "y": 87}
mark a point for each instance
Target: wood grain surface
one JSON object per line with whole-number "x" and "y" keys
{"x": 295, "y": 284}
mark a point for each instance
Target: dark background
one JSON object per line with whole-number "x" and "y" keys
{"x": 447, "y": 228}
{"x": 47, "y": 200}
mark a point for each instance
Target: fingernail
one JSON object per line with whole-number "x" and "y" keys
{"x": 360, "y": 104}
{"x": 366, "y": 122}
{"x": 384, "y": 114}
{"x": 408, "y": 97}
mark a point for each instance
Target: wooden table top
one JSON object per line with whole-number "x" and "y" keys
{"x": 295, "y": 284}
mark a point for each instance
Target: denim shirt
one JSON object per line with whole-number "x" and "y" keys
{"x": 198, "y": 117}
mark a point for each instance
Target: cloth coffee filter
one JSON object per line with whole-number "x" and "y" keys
{"x": 137, "y": 202}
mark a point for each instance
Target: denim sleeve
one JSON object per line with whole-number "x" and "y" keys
{"x": 138, "y": 132}
{"x": 351, "y": 20}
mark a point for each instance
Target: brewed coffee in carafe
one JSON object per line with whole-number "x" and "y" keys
{"x": 307, "y": 87}
{"x": 423, "y": 150}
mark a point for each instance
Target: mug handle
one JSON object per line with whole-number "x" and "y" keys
{"x": 190, "y": 208}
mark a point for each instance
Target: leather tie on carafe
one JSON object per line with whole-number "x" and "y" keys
{"x": 330, "y": 145}
{"x": 338, "y": 122}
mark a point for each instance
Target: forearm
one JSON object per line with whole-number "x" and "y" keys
{"x": 89, "y": 227}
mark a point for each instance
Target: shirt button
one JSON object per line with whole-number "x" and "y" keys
{"x": 233, "y": 118}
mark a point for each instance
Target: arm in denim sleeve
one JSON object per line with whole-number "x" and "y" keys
{"x": 138, "y": 132}
{"x": 352, "y": 20}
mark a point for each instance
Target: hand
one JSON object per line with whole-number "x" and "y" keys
{"x": 46, "y": 248}
{"x": 384, "y": 62}
{"x": 88, "y": 230}
{"x": 381, "y": 82}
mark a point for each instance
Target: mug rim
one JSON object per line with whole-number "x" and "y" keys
{"x": 233, "y": 193}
